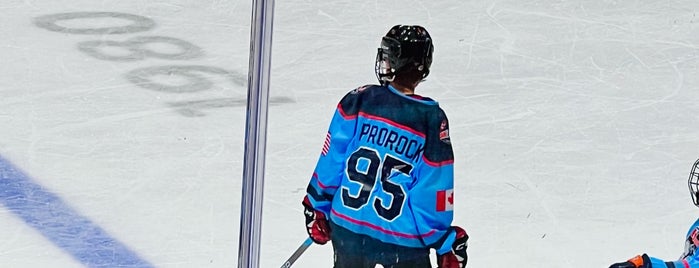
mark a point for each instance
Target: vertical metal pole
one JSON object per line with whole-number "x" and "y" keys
{"x": 255, "y": 133}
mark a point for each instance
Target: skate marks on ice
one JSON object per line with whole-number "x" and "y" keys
{"x": 193, "y": 108}
{"x": 59, "y": 223}
{"x": 171, "y": 79}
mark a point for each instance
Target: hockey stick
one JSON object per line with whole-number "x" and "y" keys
{"x": 297, "y": 253}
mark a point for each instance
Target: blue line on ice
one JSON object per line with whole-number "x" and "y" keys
{"x": 59, "y": 223}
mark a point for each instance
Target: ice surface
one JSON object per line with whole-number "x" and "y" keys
{"x": 575, "y": 124}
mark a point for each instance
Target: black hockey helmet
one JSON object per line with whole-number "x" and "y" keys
{"x": 694, "y": 183}
{"x": 404, "y": 48}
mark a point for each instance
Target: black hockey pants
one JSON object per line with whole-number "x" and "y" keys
{"x": 354, "y": 250}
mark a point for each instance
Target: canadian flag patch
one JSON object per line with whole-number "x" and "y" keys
{"x": 445, "y": 200}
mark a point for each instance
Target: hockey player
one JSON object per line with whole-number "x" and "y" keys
{"x": 382, "y": 190}
{"x": 690, "y": 257}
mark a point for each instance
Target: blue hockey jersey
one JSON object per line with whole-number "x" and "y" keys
{"x": 690, "y": 257}
{"x": 386, "y": 169}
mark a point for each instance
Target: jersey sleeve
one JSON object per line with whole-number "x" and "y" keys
{"x": 690, "y": 258}
{"x": 684, "y": 263}
{"x": 432, "y": 202}
{"x": 327, "y": 174}
{"x": 432, "y": 198}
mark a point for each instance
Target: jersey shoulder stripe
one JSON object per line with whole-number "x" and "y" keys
{"x": 392, "y": 123}
{"x": 437, "y": 163}
{"x": 346, "y": 114}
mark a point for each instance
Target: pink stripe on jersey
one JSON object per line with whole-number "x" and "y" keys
{"x": 320, "y": 184}
{"x": 388, "y": 121}
{"x": 343, "y": 114}
{"x": 437, "y": 164}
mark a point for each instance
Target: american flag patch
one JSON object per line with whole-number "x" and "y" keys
{"x": 326, "y": 144}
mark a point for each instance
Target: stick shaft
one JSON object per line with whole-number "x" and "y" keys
{"x": 295, "y": 256}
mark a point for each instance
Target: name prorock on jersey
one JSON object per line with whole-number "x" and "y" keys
{"x": 410, "y": 148}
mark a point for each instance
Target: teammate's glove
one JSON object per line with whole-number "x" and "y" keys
{"x": 316, "y": 223}
{"x": 640, "y": 261}
{"x": 457, "y": 257}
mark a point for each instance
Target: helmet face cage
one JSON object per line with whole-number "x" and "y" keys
{"x": 694, "y": 183}
{"x": 384, "y": 72}
{"x": 402, "y": 49}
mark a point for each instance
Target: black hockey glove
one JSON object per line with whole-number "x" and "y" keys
{"x": 457, "y": 257}
{"x": 640, "y": 261}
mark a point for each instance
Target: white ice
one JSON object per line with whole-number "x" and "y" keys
{"x": 574, "y": 124}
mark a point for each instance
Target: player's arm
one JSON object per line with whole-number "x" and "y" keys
{"x": 327, "y": 176}
{"x": 645, "y": 261}
{"x": 692, "y": 262}
{"x": 689, "y": 259}
{"x": 432, "y": 198}
{"x": 432, "y": 201}
{"x": 687, "y": 263}
{"x": 432, "y": 204}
